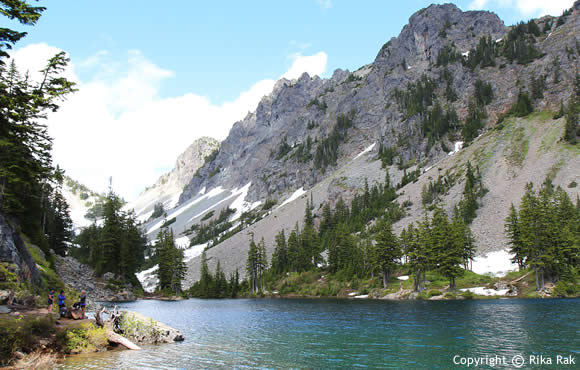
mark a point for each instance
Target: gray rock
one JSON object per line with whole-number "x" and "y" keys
{"x": 13, "y": 250}
{"x": 142, "y": 329}
{"x": 82, "y": 277}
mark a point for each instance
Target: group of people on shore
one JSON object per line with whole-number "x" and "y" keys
{"x": 62, "y": 309}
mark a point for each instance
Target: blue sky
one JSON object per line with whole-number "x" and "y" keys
{"x": 219, "y": 48}
{"x": 207, "y": 63}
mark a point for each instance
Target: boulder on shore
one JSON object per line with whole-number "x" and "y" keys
{"x": 142, "y": 329}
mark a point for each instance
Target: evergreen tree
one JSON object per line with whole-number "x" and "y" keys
{"x": 26, "y": 171}
{"x": 450, "y": 252}
{"x": 293, "y": 248}
{"x": 205, "y": 278}
{"x": 111, "y": 236}
{"x": 387, "y": 252}
{"x": 469, "y": 204}
{"x": 252, "y": 266}
{"x": 59, "y": 224}
{"x": 473, "y": 121}
{"x": 280, "y": 255}
{"x": 462, "y": 238}
{"x": 512, "y": 229}
{"x": 530, "y": 214}
{"x": 262, "y": 264}
{"x": 571, "y": 128}
{"x": 419, "y": 250}
{"x": 172, "y": 269}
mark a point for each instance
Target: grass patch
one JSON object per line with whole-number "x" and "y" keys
{"x": 518, "y": 147}
{"x": 556, "y": 167}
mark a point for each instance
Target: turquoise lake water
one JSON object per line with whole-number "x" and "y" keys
{"x": 340, "y": 333}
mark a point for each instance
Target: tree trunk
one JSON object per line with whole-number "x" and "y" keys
{"x": 537, "y": 282}
{"x": 542, "y": 278}
{"x": 384, "y": 278}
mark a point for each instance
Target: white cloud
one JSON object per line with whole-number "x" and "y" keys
{"x": 117, "y": 125}
{"x": 530, "y": 8}
{"x": 313, "y": 64}
{"x": 324, "y": 4}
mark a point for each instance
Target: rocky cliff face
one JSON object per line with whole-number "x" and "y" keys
{"x": 247, "y": 153}
{"x": 170, "y": 185}
{"x": 14, "y": 252}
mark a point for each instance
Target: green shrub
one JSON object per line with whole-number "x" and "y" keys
{"x": 269, "y": 204}
{"x": 433, "y": 293}
{"x": 168, "y": 222}
{"x": 22, "y": 334}
{"x": 566, "y": 289}
{"x": 467, "y": 294}
{"x": 82, "y": 339}
{"x": 422, "y": 295}
{"x": 207, "y": 216}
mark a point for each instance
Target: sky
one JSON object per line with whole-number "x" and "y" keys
{"x": 153, "y": 76}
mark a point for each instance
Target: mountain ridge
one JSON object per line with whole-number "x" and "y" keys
{"x": 266, "y": 148}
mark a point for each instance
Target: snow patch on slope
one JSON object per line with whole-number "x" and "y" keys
{"x": 368, "y": 149}
{"x": 496, "y": 263}
{"x": 182, "y": 242}
{"x": 297, "y": 194}
{"x": 186, "y": 206}
{"x": 148, "y": 279}
{"x": 77, "y": 207}
{"x": 194, "y": 251}
{"x": 484, "y": 291}
{"x": 240, "y": 204}
{"x": 457, "y": 147}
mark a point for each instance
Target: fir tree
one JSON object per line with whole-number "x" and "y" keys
{"x": 387, "y": 252}
{"x": 530, "y": 215}
{"x": 512, "y": 229}
{"x": 450, "y": 252}
{"x": 280, "y": 255}
{"x": 252, "y": 267}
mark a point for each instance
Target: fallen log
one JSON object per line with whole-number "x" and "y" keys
{"x": 109, "y": 326}
{"x": 119, "y": 339}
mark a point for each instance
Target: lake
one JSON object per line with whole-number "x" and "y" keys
{"x": 340, "y": 333}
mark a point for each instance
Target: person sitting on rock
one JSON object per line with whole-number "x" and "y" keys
{"x": 50, "y": 300}
{"x": 83, "y": 301}
{"x": 61, "y": 303}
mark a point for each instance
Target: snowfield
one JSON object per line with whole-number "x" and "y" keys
{"x": 148, "y": 279}
{"x": 368, "y": 149}
{"x": 214, "y": 192}
{"x": 484, "y": 291}
{"x": 240, "y": 204}
{"x": 496, "y": 263}
{"x": 297, "y": 194}
{"x": 194, "y": 251}
{"x": 457, "y": 147}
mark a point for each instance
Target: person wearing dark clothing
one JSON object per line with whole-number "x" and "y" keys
{"x": 61, "y": 304}
{"x": 83, "y": 301}
{"x": 50, "y": 300}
